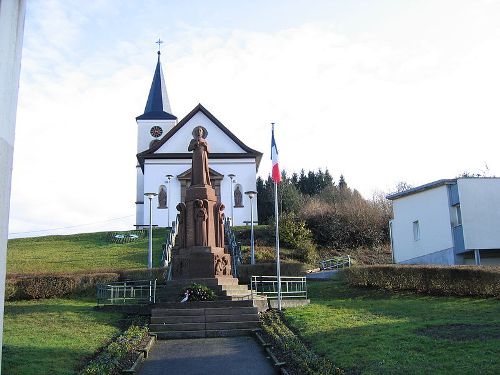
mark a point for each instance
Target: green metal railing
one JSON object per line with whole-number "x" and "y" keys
{"x": 335, "y": 263}
{"x": 127, "y": 292}
{"x": 291, "y": 287}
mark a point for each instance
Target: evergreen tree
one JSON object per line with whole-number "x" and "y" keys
{"x": 342, "y": 183}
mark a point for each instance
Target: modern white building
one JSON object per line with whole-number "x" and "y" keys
{"x": 164, "y": 162}
{"x": 455, "y": 221}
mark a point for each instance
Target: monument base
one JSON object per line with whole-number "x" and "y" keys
{"x": 200, "y": 262}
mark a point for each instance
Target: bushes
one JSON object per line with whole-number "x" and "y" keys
{"x": 60, "y": 285}
{"x": 437, "y": 280}
{"x": 295, "y": 235}
{"x": 143, "y": 274}
{"x": 346, "y": 224}
{"x": 54, "y": 285}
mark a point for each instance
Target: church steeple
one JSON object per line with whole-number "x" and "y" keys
{"x": 158, "y": 105}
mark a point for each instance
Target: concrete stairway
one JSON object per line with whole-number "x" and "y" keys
{"x": 225, "y": 289}
{"x": 204, "y": 319}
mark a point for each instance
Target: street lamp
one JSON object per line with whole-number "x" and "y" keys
{"x": 251, "y": 194}
{"x": 232, "y": 176}
{"x": 169, "y": 177}
{"x": 150, "y": 248}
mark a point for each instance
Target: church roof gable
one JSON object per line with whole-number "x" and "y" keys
{"x": 153, "y": 151}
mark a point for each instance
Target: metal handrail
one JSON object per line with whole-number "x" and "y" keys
{"x": 166, "y": 254}
{"x": 127, "y": 292}
{"x": 336, "y": 262}
{"x": 291, "y": 287}
{"x": 233, "y": 246}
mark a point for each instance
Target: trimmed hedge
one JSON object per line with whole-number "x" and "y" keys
{"x": 143, "y": 274}
{"x": 38, "y": 286}
{"x": 436, "y": 280}
{"x": 54, "y": 285}
{"x": 245, "y": 271}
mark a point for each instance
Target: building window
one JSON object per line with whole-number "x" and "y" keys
{"x": 456, "y": 215}
{"x": 416, "y": 230}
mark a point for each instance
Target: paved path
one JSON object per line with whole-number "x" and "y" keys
{"x": 322, "y": 275}
{"x": 224, "y": 355}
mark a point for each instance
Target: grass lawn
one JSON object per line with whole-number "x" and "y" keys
{"x": 368, "y": 331}
{"x": 53, "y": 336}
{"x": 80, "y": 252}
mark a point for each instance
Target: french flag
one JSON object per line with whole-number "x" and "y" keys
{"x": 276, "y": 175}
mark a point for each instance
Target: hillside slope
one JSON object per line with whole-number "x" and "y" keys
{"x": 82, "y": 252}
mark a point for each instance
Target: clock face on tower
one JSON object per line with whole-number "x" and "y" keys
{"x": 156, "y": 131}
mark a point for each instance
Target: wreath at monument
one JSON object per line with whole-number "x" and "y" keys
{"x": 198, "y": 292}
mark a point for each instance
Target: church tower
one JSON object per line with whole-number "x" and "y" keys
{"x": 155, "y": 122}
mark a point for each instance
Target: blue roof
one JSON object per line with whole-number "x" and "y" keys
{"x": 158, "y": 105}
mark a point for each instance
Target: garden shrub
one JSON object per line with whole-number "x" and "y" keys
{"x": 54, "y": 285}
{"x": 198, "y": 292}
{"x": 436, "y": 280}
{"x": 295, "y": 235}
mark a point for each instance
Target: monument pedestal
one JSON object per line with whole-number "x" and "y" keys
{"x": 200, "y": 262}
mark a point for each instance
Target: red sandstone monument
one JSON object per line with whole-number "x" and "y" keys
{"x": 199, "y": 252}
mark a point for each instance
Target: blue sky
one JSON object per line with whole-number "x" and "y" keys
{"x": 380, "y": 91}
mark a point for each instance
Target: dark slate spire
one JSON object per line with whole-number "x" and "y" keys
{"x": 157, "y": 106}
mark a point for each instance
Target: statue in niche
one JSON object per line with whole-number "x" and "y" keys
{"x": 219, "y": 224}
{"x": 238, "y": 196}
{"x": 162, "y": 197}
{"x": 199, "y": 167}
{"x": 201, "y": 216}
{"x": 181, "y": 234}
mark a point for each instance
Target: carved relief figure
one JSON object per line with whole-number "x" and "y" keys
{"x": 219, "y": 266}
{"x": 199, "y": 167}
{"x": 238, "y": 196}
{"x": 222, "y": 266}
{"x": 219, "y": 224}
{"x": 226, "y": 266}
{"x": 181, "y": 234}
{"x": 201, "y": 217}
{"x": 162, "y": 197}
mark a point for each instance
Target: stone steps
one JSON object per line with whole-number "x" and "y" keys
{"x": 204, "y": 319}
{"x": 171, "y": 291}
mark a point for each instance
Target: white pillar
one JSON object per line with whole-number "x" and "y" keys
{"x": 11, "y": 40}
{"x": 477, "y": 257}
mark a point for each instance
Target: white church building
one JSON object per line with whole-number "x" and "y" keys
{"x": 164, "y": 162}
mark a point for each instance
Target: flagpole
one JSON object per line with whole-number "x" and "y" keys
{"x": 277, "y": 235}
{"x": 278, "y": 272}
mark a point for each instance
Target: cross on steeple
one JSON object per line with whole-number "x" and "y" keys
{"x": 159, "y": 42}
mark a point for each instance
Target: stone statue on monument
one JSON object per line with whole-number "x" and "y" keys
{"x": 200, "y": 174}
